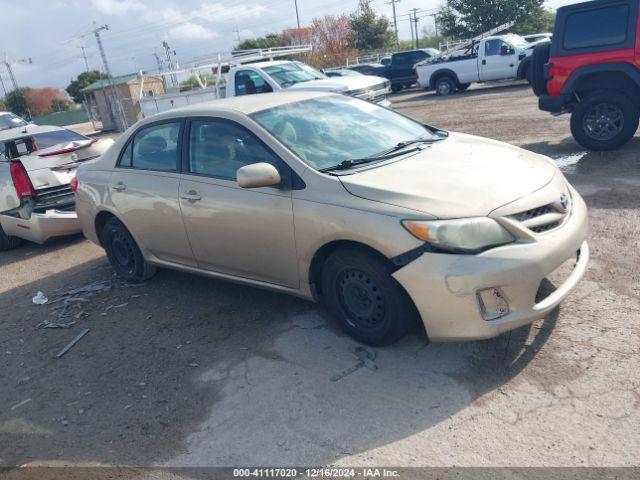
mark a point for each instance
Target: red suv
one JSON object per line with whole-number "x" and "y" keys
{"x": 591, "y": 69}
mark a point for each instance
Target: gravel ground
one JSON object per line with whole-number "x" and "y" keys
{"x": 189, "y": 371}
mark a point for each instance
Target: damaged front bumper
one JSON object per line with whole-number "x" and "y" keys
{"x": 474, "y": 297}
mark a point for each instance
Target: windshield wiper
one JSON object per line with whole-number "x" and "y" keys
{"x": 396, "y": 151}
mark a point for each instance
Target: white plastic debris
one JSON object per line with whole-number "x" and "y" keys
{"x": 40, "y": 299}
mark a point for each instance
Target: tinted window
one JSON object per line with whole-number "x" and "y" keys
{"x": 154, "y": 148}
{"x": 402, "y": 60}
{"x": 419, "y": 56}
{"x": 218, "y": 148}
{"x": 492, "y": 47}
{"x": 599, "y": 27}
{"x": 249, "y": 82}
{"x": 56, "y": 137}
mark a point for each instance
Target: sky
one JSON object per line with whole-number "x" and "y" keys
{"x": 51, "y": 32}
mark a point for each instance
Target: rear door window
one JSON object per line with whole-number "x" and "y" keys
{"x": 596, "y": 28}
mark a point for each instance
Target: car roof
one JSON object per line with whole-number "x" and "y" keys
{"x": 31, "y": 129}
{"x": 245, "y": 104}
{"x": 270, "y": 63}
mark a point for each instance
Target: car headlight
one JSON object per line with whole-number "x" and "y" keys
{"x": 464, "y": 235}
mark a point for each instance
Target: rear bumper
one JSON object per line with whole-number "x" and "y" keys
{"x": 553, "y": 104}
{"x": 41, "y": 227}
{"x": 445, "y": 287}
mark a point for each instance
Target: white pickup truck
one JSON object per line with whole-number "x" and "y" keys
{"x": 499, "y": 57}
{"x": 271, "y": 76}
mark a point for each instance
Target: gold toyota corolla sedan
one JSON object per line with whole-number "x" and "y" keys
{"x": 332, "y": 198}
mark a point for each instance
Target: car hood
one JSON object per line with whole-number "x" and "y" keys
{"x": 340, "y": 84}
{"x": 462, "y": 176}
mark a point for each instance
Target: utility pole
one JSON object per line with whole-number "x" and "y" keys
{"x": 414, "y": 21}
{"x": 12, "y": 77}
{"x": 435, "y": 21}
{"x": 114, "y": 92}
{"x": 171, "y": 66}
{"x": 160, "y": 64}
{"x": 84, "y": 56}
{"x": 297, "y": 14}
{"x": 395, "y": 21}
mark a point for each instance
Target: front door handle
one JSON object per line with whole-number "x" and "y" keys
{"x": 484, "y": 62}
{"x": 191, "y": 195}
{"x": 119, "y": 186}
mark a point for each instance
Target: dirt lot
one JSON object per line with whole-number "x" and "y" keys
{"x": 188, "y": 371}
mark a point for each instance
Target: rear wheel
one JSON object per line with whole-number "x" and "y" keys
{"x": 396, "y": 87}
{"x": 445, "y": 86}
{"x": 124, "y": 254}
{"x": 8, "y": 242}
{"x": 361, "y": 294}
{"x": 604, "y": 120}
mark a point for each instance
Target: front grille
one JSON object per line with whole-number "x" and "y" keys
{"x": 542, "y": 219}
{"x": 58, "y": 198}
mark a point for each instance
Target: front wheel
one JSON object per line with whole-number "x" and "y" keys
{"x": 445, "y": 86}
{"x": 604, "y": 120}
{"x": 361, "y": 294}
{"x": 396, "y": 88}
{"x": 124, "y": 254}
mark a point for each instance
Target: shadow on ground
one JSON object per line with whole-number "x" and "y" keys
{"x": 186, "y": 370}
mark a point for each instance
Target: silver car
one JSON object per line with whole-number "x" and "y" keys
{"x": 37, "y": 164}
{"x": 332, "y": 198}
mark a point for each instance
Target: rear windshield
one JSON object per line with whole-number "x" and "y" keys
{"x": 597, "y": 27}
{"x": 9, "y": 120}
{"x": 56, "y": 137}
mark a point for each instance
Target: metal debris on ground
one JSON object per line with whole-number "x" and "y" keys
{"x": 40, "y": 299}
{"x": 366, "y": 358}
{"x": 18, "y": 405}
{"x": 72, "y": 343}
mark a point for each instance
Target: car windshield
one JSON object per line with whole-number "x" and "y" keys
{"x": 287, "y": 74}
{"x": 339, "y": 129}
{"x": 517, "y": 40}
{"x": 9, "y": 120}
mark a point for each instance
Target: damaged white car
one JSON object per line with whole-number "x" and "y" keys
{"x": 37, "y": 164}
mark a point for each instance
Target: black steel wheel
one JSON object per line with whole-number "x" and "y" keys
{"x": 124, "y": 254}
{"x": 367, "y": 301}
{"x": 445, "y": 86}
{"x": 8, "y": 242}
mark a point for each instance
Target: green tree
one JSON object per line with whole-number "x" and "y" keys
{"x": 467, "y": 18}
{"x": 368, "y": 30}
{"x": 192, "y": 81}
{"x": 536, "y": 24}
{"x": 84, "y": 80}
{"x": 61, "y": 105}
{"x": 269, "y": 40}
{"x": 3, "y": 106}
{"x": 16, "y": 102}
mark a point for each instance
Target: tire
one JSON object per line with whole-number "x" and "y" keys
{"x": 539, "y": 57}
{"x": 396, "y": 88}
{"x": 8, "y": 242}
{"x": 604, "y": 120}
{"x": 124, "y": 254}
{"x": 361, "y": 294}
{"x": 463, "y": 86}
{"x": 445, "y": 86}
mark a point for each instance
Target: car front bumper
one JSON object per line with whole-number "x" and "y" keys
{"x": 445, "y": 287}
{"x": 40, "y": 227}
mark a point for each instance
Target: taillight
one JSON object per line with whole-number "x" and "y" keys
{"x": 21, "y": 181}
{"x": 74, "y": 184}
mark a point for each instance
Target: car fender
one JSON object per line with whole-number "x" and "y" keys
{"x": 615, "y": 67}
{"x": 440, "y": 72}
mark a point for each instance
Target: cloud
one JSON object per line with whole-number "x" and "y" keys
{"x": 215, "y": 12}
{"x": 192, "y": 31}
{"x": 117, "y": 7}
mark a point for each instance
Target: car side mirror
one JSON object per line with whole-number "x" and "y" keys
{"x": 504, "y": 50}
{"x": 258, "y": 175}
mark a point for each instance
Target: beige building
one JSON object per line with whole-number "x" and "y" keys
{"x": 123, "y": 110}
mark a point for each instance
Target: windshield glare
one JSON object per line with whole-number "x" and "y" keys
{"x": 287, "y": 74}
{"x": 340, "y": 128}
{"x": 9, "y": 120}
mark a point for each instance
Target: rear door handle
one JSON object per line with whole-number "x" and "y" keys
{"x": 118, "y": 186}
{"x": 191, "y": 195}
